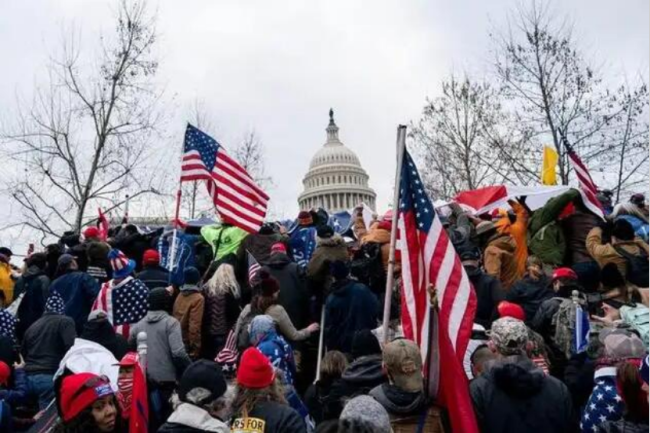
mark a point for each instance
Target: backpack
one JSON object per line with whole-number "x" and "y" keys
{"x": 243, "y": 337}
{"x": 637, "y": 267}
{"x": 638, "y": 317}
{"x": 548, "y": 243}
{"x": 564, "y": 323}
{"x": 368, "y": 268}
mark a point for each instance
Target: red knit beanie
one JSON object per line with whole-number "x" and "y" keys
{"x": 91, "y": 232}
{"x": 151, "y": 257}
{"x": 79, "y": 391}
{"x": 510, "y": 309}
{"x": 255, "y": 370}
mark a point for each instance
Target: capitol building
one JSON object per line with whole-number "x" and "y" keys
{"x": 336, "y": 181}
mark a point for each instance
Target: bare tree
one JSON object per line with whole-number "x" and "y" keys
{"x": 86, "y": 134}
{"x": 466, "y": 140}
{"x": 250, "y": 154}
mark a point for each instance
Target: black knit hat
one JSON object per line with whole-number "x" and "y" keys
{"x": 623, "y": 230}
{"x": 325, "y": 231}
{"x": 364, "y": 343}
{"x": 159, "y": 299}
{"x": 202, "y": 374}
{"x": 191, "y": 275}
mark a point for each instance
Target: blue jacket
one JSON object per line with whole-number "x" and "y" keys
{"x": 18, "y": 394}
{"x": 640, "y": 227}
{"x": 78, "y": 290}
{"x": 279, "y": 352}
{"x": 349, "y": 308}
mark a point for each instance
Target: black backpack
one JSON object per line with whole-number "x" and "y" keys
{"x": 368, "y": 268}
{"x": 637, "y": 267}
{"x": 243, "y": 336}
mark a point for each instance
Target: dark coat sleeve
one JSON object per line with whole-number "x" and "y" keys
{"x": 18, "y": 394}
{"x": 68, "y": 333}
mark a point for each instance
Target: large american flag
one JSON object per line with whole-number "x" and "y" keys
{"x": 588, "y": 188}
{"x": 124, "y": 303}
{"x": 238, "y": 199}
{"x": 428, "y": 257}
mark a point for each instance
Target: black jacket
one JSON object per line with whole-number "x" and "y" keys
{"x": 46, "y": 342}
{"x": 321, "y": 404}
{"x": 399, "y": 403}
{"x": 34, "y": 284}
{"x": 278, "y": 418}
{"x": 259, "y": 245}
{"x": 516, "y": 396}
{"x": 530, "y": 294}
{"x": 488, "y": 295}
{"x": 154, "y": 276}
{"x": 102, "y": 332}
{"x": 293, "y": 288}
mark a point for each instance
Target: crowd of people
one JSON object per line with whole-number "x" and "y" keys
{"x": 280, "y": 331}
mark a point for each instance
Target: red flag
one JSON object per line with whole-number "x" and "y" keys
{"x": 102, "y": 225}
{"x": 139, "y": 416}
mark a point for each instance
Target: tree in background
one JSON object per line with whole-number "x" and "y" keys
{"x": 84, "y": 139}
{"x": 250, "y": 154}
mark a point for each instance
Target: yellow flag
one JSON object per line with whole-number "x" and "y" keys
{"x": 548, "y": 166}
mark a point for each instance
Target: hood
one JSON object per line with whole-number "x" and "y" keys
{"x": 338, "y": 287}
{"x": 188, "y": 289}
{"x": 518, "y": 377}
{"x": 375, "y": 234}
{"x": 33, "y": 271}
{"x": 503, "y": 242}
{"x": 398, "y": 401}
{"x": 193, "y": 416}
{"x": 99, "y": 331}
{"x": 156, "y": 316}
{"x": 335, "y": 241}
{"x": 278, "y": 261}
{"x": 365, "y": 369}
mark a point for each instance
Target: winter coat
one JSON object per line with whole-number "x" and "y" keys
{"x": 606, "y": 253}
{"x": 259, "y": 245}
{"x": 640, "y": 227}
{"x": 188, "y": 310}
{"x": 407, "y": 408}
{"x": 18, "y": 393}
{"x": 546, "y": 246}
{"x": 188, "y": 418}
{"x": 164, "y": 346}
{"x": 576, "y": 228}
{"x": 7, "y": 282}
{"x": 623, "y": 426}
{"x": 322, "y": 406}
{"x": 543, "y": 318}
{"x": 46, "y": 342}
{"x": 224, "y": 239}
{"x": 282, "y": 323}
{"x": 327, "y": 251}
{"x": 8, "y": 353}
{"x": 579, "y": 378}
{"x": 530, "y": 294}
{"x": 78, "y": 290}
{"x": 516, "y": 396}
{"x": 488, "y": 295}
{"x": 499, "y": 260}
{"x": 377, "y": 235}
{"x": 154, "y": 276}
{"x": 34, "y": 283}
{"x": 349, "y": 308}
{"x": 293, "y": 296}
{"x": 101, "y": 332}
{"x": 220, "y": 313}
{"x": 269, "y": 417}
{"x": 278, "y": 351}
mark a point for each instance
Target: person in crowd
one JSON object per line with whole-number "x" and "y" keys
{"x": 99, "y": 266}
{"x": 165, "y": 346}
{"x": 632, "y": 383}
{"x": 11, "y": 396}
{"x": 317, "y": 397}
{"x": 125, "y": 384}
{"x": 34, "y": 285}
{"x": 87, "y": 404}
{"x": 132, "y": 243}
{"x": 78, "y": 290}
{"x": 605, "y": 402}
{"x": 90, "y": 236}
{"x": 563, "y": 282}
{"x": 293, "y": 295}
{"x": 515, "y": 224}
{"x": 152, "y": 274}
{"x": 350, "y": 307}
{"x": 222, "y": 308}
{"x": 7, "y": 277}
{"x": 365, "y": 414}
{"x": 498, "y": 253}
{"x": 378, "y": 232}
{"x": 514, "y": 395}
{"x": 302, "y": 241}
{"x": 99, "y": 330}
{"x": 622, "y": 242}
{"x": 44, "y": 345}
{"x": 532, "y": 290}
{"x": 403, "y": 396}
{"x": 330, "y": 247}
{"x": 635, "y": 207}
{"x": 576, "y": 227}
{"x": 259, "y": 402}
{"x": 481, "y": 359}
{"x": 53, "y": 252}
{"x": 488, "y": 289}
{"x": 265, "y": 301}
{"x": 223, "y": 238}
{"x": 202, "y": 402}
{"x": 260, "y": 245}
{"x": 363, "y": 374}
{"x": 188, "y": 310}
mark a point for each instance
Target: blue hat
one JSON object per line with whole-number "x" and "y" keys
{"x": 121, "y": 264}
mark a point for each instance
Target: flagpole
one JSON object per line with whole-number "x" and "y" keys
{"x": 401, "y": 144}
{"x": 172, "y": 254}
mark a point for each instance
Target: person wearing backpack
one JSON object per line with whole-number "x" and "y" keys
{"x": 378, "y": 233}
{"x": 629, "y": 253}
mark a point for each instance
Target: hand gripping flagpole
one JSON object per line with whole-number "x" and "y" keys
{"x": 401, "y": 144}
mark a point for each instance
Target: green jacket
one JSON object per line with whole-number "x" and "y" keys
{"x": 224, "y": 240}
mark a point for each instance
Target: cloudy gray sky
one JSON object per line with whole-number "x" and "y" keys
{"x": 278, "y": 66}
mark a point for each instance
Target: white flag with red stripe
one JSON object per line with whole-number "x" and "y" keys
{"x": 235, "y": 194}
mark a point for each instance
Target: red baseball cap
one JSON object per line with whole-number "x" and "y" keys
{"x": 151, "y": 257}
{"x": 91, "y": 232}
{"x": 510, "y": 309}
{"x": 79, "y": 391}
{"x": 255, "y": 370}
{"x": 5, "y": 373}
{"x": 564, "y": 273}
{"x": 129, "y": 360}
{"x": 278, "y": 247}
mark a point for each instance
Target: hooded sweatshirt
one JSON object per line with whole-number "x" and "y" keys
{"x": 516, "y": 396}
{"x": 364, "y": 374}
{"x": 293, "y": 296}
{"x": 190, "y": 418}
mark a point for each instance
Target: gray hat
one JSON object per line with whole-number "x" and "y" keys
{"x": 369, "y": 411}
{"x": 509, "y": 335}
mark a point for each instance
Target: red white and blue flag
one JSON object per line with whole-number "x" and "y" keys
{"x": 429, "y": 258}
{"x": 253, "y": 268}
{"x": 124, "y": 303}
{"x": 235, "y": 194}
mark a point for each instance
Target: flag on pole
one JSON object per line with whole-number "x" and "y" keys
{"x": 428, "y": 257}
{"x": 102, "y": 225}
{"x": 238, "y": 199}
{"x": 253, "y": 268}
{"x": 139, "y": 410}
{"x": 588, "y": 188}
{"x": 549, "y": 165}
{"x": 581, "y": 337}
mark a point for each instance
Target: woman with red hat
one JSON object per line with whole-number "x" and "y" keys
{"x": 86, "y": 403}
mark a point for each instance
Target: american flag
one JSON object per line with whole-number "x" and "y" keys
{"x": 238, "y": 199}
{"x": 604, "y": 404}
{"x": 428, "y": 257}
{"x": 253, "y": 267}
{"x": 124, "y": 303}
{"x": 588, "y": 188}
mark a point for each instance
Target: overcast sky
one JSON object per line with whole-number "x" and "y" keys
{"x": 278, "y": 66}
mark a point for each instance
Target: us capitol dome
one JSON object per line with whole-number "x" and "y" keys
{"x": 335, "y": 180}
